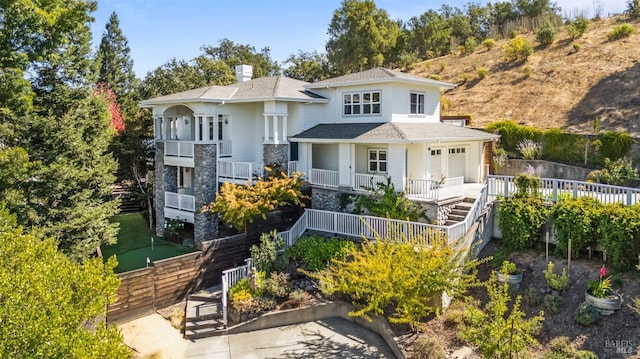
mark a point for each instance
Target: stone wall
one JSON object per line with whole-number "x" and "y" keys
{"x": 551, "y": 169}
{"x": 276, "y": 154}
{"x": 159, "y": 188}
{"x": 326, "y": 199}
{"x": 205, "y": 225}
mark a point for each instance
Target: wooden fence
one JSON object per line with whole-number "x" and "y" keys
{"x": 171, "y": 280}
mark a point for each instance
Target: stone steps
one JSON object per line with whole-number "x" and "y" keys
{"x": 203, "y": 317}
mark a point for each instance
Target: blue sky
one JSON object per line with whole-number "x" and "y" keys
{"x": 158, "y": 30}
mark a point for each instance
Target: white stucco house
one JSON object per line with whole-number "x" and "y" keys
{"x": 343, "y": 133}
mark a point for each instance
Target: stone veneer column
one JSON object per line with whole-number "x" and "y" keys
{"x": 159, "y": 188}
{"x": 276, "y": 154}
{"x": 205, "y": 226}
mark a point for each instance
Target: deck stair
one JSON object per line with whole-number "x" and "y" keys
{"x": 203, "y": 317}
{"x": 459, "y": 211}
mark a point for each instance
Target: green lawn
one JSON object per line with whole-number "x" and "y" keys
{"x": 134, "y": 244}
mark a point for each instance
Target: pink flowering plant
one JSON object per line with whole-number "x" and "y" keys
{"x": 601, "y": 287}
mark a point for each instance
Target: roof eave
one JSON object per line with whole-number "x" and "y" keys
{"x": 425, "y": 82}
{"x": 385, "y": 141}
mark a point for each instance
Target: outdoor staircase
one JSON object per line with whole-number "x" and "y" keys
{"x": 203, "y": 317}
{"x": 127, "y": 203}
{"x": 459, "y": 211}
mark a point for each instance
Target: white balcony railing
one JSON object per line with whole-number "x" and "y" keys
{"x": 181, "y": 202}
{"x": 325, "y": 178}
{"x": 178, "y": 148}
{"x": 429, "y": 189}
{"x": 363, "y": 181}
{"x": 224, "y": 148}
{"x": 240, "y": 170}
{"x": 552, "y": 189}
{"x": 292, "y": 166}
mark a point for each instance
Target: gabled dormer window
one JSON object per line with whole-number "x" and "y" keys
{"x": 361, "y": 103}
{"x": 417, "y": 103}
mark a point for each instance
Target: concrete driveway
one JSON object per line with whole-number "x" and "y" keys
{"x": 326, "y": 338}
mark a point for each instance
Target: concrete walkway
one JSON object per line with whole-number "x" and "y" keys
{"x": 327, "y": 338}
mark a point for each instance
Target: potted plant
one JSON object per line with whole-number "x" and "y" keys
{"x": 557, "y": 282}
{"x": 600, "y": 295}
{"x": 509, "y": 273}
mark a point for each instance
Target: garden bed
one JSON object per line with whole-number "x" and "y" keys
{"x": 613, "y": 336}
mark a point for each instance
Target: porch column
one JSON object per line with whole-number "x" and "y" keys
{"x": 163, "y": 128}
{"x": 206, "y": 128}
{"x": 396, "y": 164}
{"x": 344, "y": 165}
{"x": 197, "y": 126}
{"x": 284, "y": 128}
{"x": 275, "y": 129}
{"x": 266, "y": 128}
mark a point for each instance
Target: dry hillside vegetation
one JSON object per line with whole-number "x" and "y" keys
{"x": 565, "y": 89}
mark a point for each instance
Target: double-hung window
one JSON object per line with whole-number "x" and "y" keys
{"x": 377, "y": 160}
{"x": 361, "y": 103}
{"x": 417, "y": 103}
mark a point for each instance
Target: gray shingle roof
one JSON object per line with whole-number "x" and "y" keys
{"x": 392, "y": 132}
{"x": 378, "y": 74}
{"x": 275, "y": 87}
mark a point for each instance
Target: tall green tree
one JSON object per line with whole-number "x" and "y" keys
{"x": 115, "y": 64}
{"x": 308, "y": 66}
{"x": 49, "y": 304}
{"x": 59, "y": 122}
{"x": 429, "y": 34}
{"x": 236, "y": 54}
{"x": 361, "y": 36}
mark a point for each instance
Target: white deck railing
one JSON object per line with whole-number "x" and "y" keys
{"x": 430, "y": 189}
{"x": 224, "y": 148}
{"x": 229, "y": 278}
{"x": 178, "y": 148}
{"x": 325, "y": 178}
{"x": 292, "y": 166}
{"x": 181, "y": 202}
{"x": 363, "y": 181}
{"x": 240, "y": 170}
{"x": 552, "y": 189}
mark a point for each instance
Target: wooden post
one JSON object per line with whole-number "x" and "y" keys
{"x": 569, "y": 260}
{"x": 547, "y": 246}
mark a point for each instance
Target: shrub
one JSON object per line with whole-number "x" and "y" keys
{"x": 470, "y": 45}
{"x": 240, "y": 291}
{"x": 277, "y": 286}
{"x": 517, "y": 49}
{"x": 532, "y": 296}
{"x": 585, "y": 354}
{"x": 527, "y": 71}
{"x": 177, "y": 317}
{"x": 620, "y": 172}
{"x": 620, "y": 32}
{"x": 400, "y": 273}
{"x": 577, "y": 27}
{"x": 619, "y": 228}
{"x": 482, "y": 72}
{"x": 521, "y": 220}
{"x": 615, "y": 145}
{"x": 270, "y": 254}
{"x": 499, "y": 158}
{"x": 556, "y": 281}
{"x": 384, "y": 201}
{"x": 561, "y": 347}
{"x": 489, "y": 43}
{"x": 576, "y": 46}
{"x": 428, "y": 348}
{"x": 546, "y": 34}
{"x": 576, "y": 220}
{"x": 530, "y": 150}
{"x": 508, "y": 267}
{"x": 498, "y": 331}
{"x": 585, "y": 314}
{"x": 315, "y": 251}
{"x": 442, "y": 65}
{"x": 434, "y": 77}
{"x": 552, "y": 303}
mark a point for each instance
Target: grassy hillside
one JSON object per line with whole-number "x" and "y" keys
{"x": 565, "y": 89}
